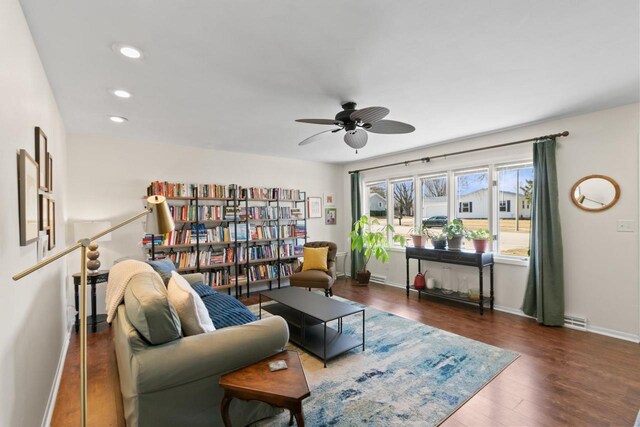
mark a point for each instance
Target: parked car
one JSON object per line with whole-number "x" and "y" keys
{"x": 436, "y": 221}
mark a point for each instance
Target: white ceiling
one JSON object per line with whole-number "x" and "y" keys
{"x": 233, "y": 75}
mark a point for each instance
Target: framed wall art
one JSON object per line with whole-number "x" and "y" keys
{"x": 330, "y": 215}
{"x": 28, "y": 198}
{"x": 49, "y": 180}
{"x": 43, "y": 207}
{"x": 41, "y": 158}
{"x": 314, "y": 207}
{"x": 329, "y": 199}
{"x": 51, "y": 207}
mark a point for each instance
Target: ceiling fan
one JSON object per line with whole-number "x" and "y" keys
{"x": 356, "y": 123}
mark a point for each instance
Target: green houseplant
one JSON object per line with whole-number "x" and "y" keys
{"x": 420, "y": 236}
{"x": 439, "y": 241}
{"x": 371, "y": 243}
{"x": 455, "y": 232}
{"x": 480, "y": 238}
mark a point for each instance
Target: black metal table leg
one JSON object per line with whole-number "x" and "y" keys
{"x": 491, "y": 284}
{"x": 407, "y": 277}
{"x": 325, "y": 345}
{"x": 94, "y": 316}
{"x": 481, "y": 302}
{"x": 362, "y": 330}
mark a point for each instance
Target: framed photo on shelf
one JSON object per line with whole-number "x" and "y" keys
{"x": 41, "y": 158}
{"x": 28, "y": 198}
{"x": 51, "y": 232}
{"x": 329, "y": 199}
{"x": 43, "y": 206}
{"x": 314, "y": 207}
{"x": 330, "y": 216}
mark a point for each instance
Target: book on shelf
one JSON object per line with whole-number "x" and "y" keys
{"x": 296, "y": 213}
{"x": 158, "y": 240}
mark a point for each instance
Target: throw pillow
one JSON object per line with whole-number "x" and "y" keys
{"x": 164, "y": 267}
{"x": 194, "y": 316}
{"x": 315, "y": 258}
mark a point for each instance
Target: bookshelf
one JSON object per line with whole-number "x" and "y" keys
{"x": 235, "y": 236}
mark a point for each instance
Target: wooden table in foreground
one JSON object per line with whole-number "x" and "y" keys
{"x": 285, "y": 389}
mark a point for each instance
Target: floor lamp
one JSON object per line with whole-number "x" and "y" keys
{"x": 157, "y": 206}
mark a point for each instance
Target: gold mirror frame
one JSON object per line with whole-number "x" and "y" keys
{"x": 603, "y": 208}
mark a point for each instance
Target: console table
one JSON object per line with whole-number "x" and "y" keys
{"x": 92, "y": 280}
{"x": 468, "y": 258}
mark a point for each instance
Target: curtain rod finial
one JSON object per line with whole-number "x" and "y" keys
{"x": 565, "y": 133}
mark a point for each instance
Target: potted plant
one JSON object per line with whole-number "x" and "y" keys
{"x": 364, "y": 239}
{"x": 455, "y": 232}
{"x": 439, "y": 241}
{"x": 480, "y": 238}
{"x": 420, "y": 236}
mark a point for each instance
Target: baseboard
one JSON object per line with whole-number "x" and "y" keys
{"x": 51, "y": 404}
{"x": 517, "y": 312}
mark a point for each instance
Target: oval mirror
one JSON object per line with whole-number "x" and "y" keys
{"x": 595, "y": 193}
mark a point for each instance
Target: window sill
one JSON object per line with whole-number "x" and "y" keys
{"x": 499, "y": 259}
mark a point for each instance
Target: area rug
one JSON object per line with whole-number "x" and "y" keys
{"x": 410, "y": 374}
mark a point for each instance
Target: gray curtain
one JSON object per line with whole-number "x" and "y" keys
{"x": 544, "y": 296}
{"x": 356, "y": 212}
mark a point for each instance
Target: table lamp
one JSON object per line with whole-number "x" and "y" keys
{"x": 157, "y": 206}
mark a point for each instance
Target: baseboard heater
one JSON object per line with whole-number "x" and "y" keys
{"x": 378, "y": 279}
{"x": 575, "y": 322}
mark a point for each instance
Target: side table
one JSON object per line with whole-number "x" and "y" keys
{"x": 92, "y": 280}
{"x": 284, "y": 389}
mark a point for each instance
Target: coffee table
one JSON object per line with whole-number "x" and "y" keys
{"x": 307, "y": 315}
{"x": 285, "y": 389}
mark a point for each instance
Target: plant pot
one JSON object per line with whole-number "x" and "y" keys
{"x": 455, "y": 243}
{"x": 419, "y": 240}
{"x": 363, "y": 277}
{"x": 439, "y": 244}
{"x": 480, "y": 245}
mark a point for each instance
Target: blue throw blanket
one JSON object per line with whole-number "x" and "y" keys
{"x": 224, "y": 310}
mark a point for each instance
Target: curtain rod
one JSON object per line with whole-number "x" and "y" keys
{"x": 473, "y": 150}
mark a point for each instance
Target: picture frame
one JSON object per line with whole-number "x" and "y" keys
{"x": 330, "y": 215}
{"x": 28, "y": 198}
{"x": 43, "y": 244}
{"x": 43, "y": 207}
{"x": 51, "y": 232}
{"x": 49, "y": 174}
{"x": 41, "y": 158}
{"x": 314, "y": 207}
{"x": 329, "y": 199}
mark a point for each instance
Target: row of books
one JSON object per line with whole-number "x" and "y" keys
{"x": 157, "y": 240}
{"x": 271, "y": 212}
{"x": 272, "y": 250}
{"x": 269, "y": 271}
{"x": 218, "y": 191}
{"x": 220, "y": 277}
{"x": 219, "y": 256}
{"x": 190, "y": 213}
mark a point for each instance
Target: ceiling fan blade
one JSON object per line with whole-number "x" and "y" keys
{"x": 390, "y": 127}
{"x": 356, "y": 139}
{"x": 320, "y": 121}
{"x": 369, "y": 114}
{"x": 317, "y": 136}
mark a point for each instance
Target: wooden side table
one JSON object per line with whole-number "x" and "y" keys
{"x": 285, "y": 389}
{"x": 92, "y": 280}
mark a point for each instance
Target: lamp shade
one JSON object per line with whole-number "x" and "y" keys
{"x": 160, "y": 221}
{"x": 86, "y": 229}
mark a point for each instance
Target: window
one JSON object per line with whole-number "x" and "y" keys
{"x": 515, "y": 183}
{"x": 435, "y": 203}
{"x": 472, "y": 199}
{"x": 403, "y": 207}
{"x": 377, "y": 198}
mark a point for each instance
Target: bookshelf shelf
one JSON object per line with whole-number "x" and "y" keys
{"x": 244, "y": 214}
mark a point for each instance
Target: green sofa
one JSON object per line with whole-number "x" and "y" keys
{"x": 170, "y": 380}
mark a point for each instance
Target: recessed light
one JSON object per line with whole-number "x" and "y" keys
{"x": 121, "y": 93}
{"x": 128, "y": 51}
{"x": 118, "y": 119}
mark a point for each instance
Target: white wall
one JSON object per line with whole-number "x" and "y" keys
{"x": 601, "y": 265}
{"x": 32, "y": 314}
{"x": 108, "y": 179}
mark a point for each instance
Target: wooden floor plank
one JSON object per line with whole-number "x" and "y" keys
{"x": 564, "y": 377}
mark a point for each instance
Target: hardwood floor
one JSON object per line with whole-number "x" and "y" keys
{"x": 563, "y": 376}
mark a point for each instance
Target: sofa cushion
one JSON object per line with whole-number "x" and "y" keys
{"x": 225, "y": 310}
{"x": 164, "y": 267}
{"x": 191, "y": 310}
{"x": 315, "y": 258}
{"x": 149, "y": 310}
{"x": 311, "y": 279}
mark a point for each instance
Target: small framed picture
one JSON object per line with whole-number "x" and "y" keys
{"x": 51, "y": 207}
{"x": 43, "y": 206}
{"x": 41, "y": 158}
{"x": 329, "y": 199}
{"x": 42, "y": 245}
{"x": 28, "y": 198}
{"x": 49, "y": 172}
{"x": 314, "y": 207}
{"x": 330, "y": 216}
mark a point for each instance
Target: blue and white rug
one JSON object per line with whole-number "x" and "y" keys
{"x": 410, "y": 374}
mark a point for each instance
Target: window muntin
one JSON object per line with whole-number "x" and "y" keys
{"x": 472, "y": 200}
{"x": 515, "y": 183}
